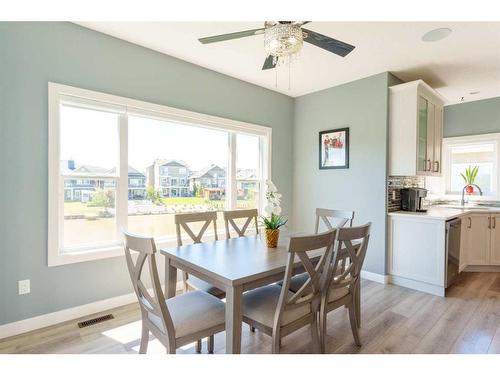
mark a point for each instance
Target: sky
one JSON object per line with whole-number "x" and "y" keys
{"x": 91, "y": 137}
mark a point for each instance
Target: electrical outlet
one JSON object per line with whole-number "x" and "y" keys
{"x": 23, "y": 286}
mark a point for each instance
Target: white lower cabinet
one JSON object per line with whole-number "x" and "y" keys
{"x": 417, "y": 254}
{"x": 480, "y": 240}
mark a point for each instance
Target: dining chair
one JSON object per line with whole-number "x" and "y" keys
{"x": 344, "y": 278}
{"x": 206, "y": 219}
{"x": 176, "y": 321}
{"x": 278, "y": 312}
{"x": 230, "y": 217}
{"x": 325, "y": 216}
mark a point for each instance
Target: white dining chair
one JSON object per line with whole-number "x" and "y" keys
{"x": 344, "y": 278}
{"x": 249, "y": 216}
{"x": 330, "y": 219}
{"x": 278, "y": 312}
{"x": 176, "y": 321}
{"x": 183, "y": 222}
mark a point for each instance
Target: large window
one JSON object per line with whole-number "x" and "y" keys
{"x": 462, "y": 152}
{"x": 116, "y": 163}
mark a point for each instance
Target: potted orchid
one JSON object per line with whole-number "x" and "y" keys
{"x": 470, "y": 178}
{"x": 273, "y": 219}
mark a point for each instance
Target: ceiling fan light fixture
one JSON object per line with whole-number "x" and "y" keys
{"x": 282, "y": 39}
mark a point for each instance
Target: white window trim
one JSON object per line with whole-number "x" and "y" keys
{"x": 469, "y": 139}
{"x": 125, "y": 106}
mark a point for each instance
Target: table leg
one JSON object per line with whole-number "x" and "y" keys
{"x": 170, "y": 279}
{"x": 233, "y": 319}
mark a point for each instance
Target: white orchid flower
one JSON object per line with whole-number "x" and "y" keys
{"x": 277, "y": 210}
{"x": 269, "y": 209}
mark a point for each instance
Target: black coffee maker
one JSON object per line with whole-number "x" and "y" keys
{"x": 412, "y": 199}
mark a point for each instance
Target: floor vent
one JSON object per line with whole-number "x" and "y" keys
{"x": 97, "y": 320}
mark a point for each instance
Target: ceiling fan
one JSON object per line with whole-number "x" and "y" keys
{"x": 282, "y": 39}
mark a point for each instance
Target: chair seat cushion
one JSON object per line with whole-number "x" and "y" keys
{"x": 202, "y": 285}
{"x": 260, "y": 305}
{"x": 193, "y": 312}
{"x": 337, "y": 293}
{"x": 297, "y": 281}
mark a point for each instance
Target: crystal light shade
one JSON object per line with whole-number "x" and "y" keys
{"x": 283, "y": 39}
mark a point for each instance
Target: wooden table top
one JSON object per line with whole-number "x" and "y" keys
{"x": 235, "y": 261}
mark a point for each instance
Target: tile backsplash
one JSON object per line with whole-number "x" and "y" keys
{"x": 394, "y": 186}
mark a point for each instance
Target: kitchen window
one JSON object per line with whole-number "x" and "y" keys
{"x": 462, "y": 152}
{"x": 109, "y": 158}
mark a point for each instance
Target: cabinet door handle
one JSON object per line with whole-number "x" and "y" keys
{"x": 494, "y": 222}
{"x": 470, "y": 223}
{"x": 436, "y": 166}
{"x": 489, "y": 223}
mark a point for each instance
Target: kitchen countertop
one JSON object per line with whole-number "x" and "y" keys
{"x": 444, "y": 213}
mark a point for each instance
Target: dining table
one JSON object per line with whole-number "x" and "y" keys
{"x": 233, "y": 265}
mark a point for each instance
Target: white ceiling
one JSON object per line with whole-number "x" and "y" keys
{"x": 466, "y": 61}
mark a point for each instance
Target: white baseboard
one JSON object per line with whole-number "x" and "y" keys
{"x": 417, "y": 285}
{"x": 382, "y": 279}
{"x": 41, "y": 321}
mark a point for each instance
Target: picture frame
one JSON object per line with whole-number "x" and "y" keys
{"x": 334, "y": 149}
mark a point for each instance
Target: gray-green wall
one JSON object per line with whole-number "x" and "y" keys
{"x": 479, "y": 117}
{"x": 31, "y": 54}
{"x": 362, "y": 106}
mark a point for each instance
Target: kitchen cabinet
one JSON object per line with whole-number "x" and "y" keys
{"x": 415, "y": 130}
{"x": 495, "y": 240}
{"x": 480, "y": 238}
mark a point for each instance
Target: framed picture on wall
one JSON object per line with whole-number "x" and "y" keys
{"x": 334, "y": 149}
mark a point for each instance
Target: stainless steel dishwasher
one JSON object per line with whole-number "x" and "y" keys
{"x": 453, "y": 229}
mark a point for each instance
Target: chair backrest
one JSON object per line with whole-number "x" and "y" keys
{"x": 348, "y": 257}
{"x": 325, "y": 215}
{"x": 153, "y": 307}
{"x": 183, "y": 221}
{"x": 310, "y": 293}
{"x": 249, "y": 215}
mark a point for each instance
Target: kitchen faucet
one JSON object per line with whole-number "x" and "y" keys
{"x": 463, "y": 192}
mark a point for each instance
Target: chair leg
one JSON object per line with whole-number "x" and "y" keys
{"x": 276, "y": 343}
{"x": 210, "y": 344}
{"x": 322, "y": 328}
{"x": 198, "y": 346}
{"x": 314, "y": 336}
{"x": 185, "y": 287}
{"x": 354, "y": 324}
{"x": 143, "y": 348}
{"x": 357, "y": 303}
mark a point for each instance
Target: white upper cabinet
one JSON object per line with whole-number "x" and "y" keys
{"x": 415, "y": 130}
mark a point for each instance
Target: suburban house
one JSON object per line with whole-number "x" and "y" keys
{"x": 80, "y": 182}
{"x": 211, "y": 180}
{"x": 169, "y": 178}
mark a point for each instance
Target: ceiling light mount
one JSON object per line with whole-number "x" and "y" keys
{"x": 436, "y": 34}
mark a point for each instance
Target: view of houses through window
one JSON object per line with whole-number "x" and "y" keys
{"x": 172, "y": 168}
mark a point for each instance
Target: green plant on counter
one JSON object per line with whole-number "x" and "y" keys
{"x": 470, "y": 174}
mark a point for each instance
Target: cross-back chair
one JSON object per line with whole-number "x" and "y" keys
{"x": 182, "y": 223}
{"x": 174, "y": 322}
{"x": 278, "y": 312}
{"x": 344, "y": 278}
{"x": 249, "y": 215}
{"x": 324, "y": 215}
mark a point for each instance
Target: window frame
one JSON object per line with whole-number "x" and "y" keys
{"x": 84, "y": 98}
{"x": 449, "y": 142}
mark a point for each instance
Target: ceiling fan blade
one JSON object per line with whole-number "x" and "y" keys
{"x": 269, "y": 63}
{"x": 236, "y": 35}
{"x": 330, "y": 44}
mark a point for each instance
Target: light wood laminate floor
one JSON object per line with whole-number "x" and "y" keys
{"x": 394, "y": 320}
